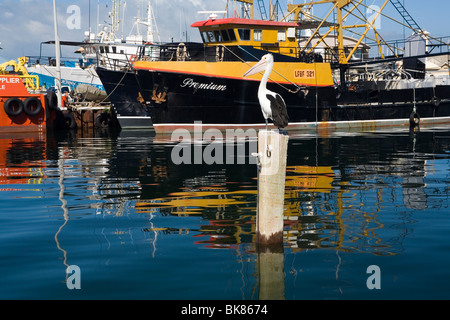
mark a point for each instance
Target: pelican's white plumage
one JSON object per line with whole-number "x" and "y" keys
{"x": 272, "y": 104}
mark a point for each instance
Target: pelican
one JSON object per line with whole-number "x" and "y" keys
{"x": 272, "y": 104}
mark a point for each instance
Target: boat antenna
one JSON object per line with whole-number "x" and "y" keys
{"x": 123, "y": 18}
{"x": 213, "y": 15}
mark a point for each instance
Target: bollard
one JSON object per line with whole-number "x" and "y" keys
{"x": 272, "y": 155}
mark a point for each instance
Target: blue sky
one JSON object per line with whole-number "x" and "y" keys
{"x": 24, "y": 24}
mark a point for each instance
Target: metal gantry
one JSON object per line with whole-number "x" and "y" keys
{"x": 338, "y": 14}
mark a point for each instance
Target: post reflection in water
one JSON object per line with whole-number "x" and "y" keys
{"x": 119, "y": 192}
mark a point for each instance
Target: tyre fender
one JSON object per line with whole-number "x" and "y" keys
{"x": 13, "y": 107}
{"x": 32, "y": 106}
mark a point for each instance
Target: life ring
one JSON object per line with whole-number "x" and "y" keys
{"x": 13, "y": 107}
{"x": 32, "y": 106}
{"x": 52, "y": 100}
{"x": 69, "y": 120}
{"x": 414, "y": 119}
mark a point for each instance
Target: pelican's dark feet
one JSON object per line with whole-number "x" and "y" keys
{"x": 283, "y": 132}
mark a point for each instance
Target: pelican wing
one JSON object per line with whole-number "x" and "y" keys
{"x": 280, "y": 116}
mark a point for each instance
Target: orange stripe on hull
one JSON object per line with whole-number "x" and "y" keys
{"x": 320, "y": 74}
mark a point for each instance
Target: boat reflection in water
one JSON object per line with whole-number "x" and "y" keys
{"x": 347, "y": 194}
{"x": 19, "y": 154}
{"x": 120, "y": 196}
{"x": 334, "y": 196}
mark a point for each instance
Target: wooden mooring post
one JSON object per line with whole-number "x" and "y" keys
{"x": 272, "y": 155}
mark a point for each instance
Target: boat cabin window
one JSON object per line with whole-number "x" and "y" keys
{"x": 281, "y": 36}
{"x": 205, "y": 37}
{"x": 211, "y": 36}
{"x": 232, "y": 35}
{"x": 218, "y": 36}
{"x": 225, "y": 36}
{"x": 257, "y": 35}
{"x": 244, "y": 34}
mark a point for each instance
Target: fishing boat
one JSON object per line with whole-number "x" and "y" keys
{"x": 325, "y": 84}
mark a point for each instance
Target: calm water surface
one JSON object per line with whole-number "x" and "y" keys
{"x": 140, "y": 227}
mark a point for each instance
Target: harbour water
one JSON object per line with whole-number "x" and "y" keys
{"x": 139, "y": 226}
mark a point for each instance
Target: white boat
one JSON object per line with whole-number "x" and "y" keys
{"x": 73, "y": 73}
{"x": 96, "y": 49}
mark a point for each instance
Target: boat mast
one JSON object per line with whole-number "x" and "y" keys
{"x": 58, "y": 58}
{"x": 115, "y": 19}
{"x": 151, "y": 24}
{"x": 248, "y": 6}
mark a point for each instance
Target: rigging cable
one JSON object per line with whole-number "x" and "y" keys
{"x": 279, "y": 84}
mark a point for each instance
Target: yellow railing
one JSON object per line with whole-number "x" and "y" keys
{"x": 31, "y": 82}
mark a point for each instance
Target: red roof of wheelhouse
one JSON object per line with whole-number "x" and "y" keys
{"x": 240, "y": 21}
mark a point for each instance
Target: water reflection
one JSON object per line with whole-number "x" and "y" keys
{"x": 336, "y": 192}
{"x": 353, "y": 193}
{"x": 22, "y": 159}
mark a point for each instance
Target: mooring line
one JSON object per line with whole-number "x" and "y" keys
{"x": 247, "y": 63}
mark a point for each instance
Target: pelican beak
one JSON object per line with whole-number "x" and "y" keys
{"x": 257, "y": 68}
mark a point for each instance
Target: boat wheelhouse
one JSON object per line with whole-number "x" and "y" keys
{"x": 271, "y": 36}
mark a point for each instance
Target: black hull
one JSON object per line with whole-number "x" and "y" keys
{"x": 177, "y": 100}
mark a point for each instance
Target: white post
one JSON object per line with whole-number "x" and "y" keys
{"x": 58, "y": 58}
{"x": 272, "y": 152}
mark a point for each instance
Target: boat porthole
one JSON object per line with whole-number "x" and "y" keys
{"x": 414, "y": 119}
{"x": 13, "y": 107}
{"x": 32, "y": 106}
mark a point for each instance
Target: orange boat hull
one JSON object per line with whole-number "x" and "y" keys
{"x": 16, "y": 114}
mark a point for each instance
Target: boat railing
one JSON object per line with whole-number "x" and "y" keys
{"x": 117, "y": 61}
{"x": 400, "y": 47}
{"x": 31, "y": 82}
{"x": 219, "y": 53}
{"x": 65, "y": 61}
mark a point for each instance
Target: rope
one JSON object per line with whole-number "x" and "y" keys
{"x": 279, "y": 84}
{"x": 118, "y": 84}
